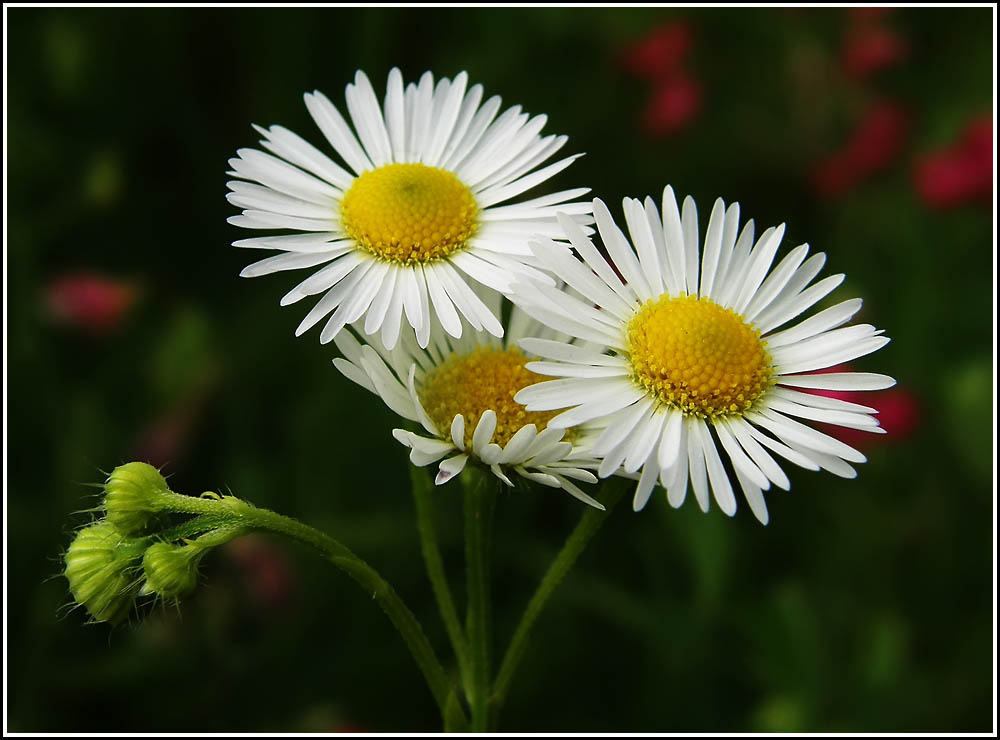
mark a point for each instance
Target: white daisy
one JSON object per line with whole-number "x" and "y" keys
{"x": 697, "y": 345}
{"x": 461, "y": 391}
{"x": 416, "y": 211}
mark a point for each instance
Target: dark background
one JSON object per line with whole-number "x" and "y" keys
{"x": 865, "y": 605}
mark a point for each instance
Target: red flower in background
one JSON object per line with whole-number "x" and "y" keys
{"x": 876, "y": 141}
{"x": 659, "y": 53}
{"x": 898, "y": 413}
{"x": 676, "y": 96}
{"x": 674, "y": 104}
{"x": 962, "y": 173}
{"x": 870, "y": 49}
{"x": 88, "y": 302}
{"x": 870, "y": 46}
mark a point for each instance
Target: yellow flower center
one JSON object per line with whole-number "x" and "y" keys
{"x": 469, "y": 384}
{"x": 698, "y": 357}
{"x": 409, "y": 213}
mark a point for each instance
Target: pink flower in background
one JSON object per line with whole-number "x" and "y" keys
{"x": 88, "y": 302}
{"x": 675, "y": 102}
{"x": 898, "y": 413}
{"x": 659, "y": 53}
{"x": 876, "y": 141}
{"x": 961, "y": 173}
{"x": 869, "y": 49}
{"x": 676, "y": 96}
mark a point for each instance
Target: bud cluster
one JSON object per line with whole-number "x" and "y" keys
{"x": 137, "y": 549}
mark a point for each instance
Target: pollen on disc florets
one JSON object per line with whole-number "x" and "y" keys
{"x": 696, "y": 356}
{"x": 409, "y": 213}
{"x": 486, "y": 378}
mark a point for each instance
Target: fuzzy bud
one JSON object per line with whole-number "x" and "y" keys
{"x": 102, "y": 570}
{"x": 132, "y": 497}
{"x": 171, "y": 570}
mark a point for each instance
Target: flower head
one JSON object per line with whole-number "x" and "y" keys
{"x": 697, "y": 347}
{"x": 462, "y": 392}
{"x": 104, "y": 573}
{"x": 132, "y": 497}
{"x": 171, "y": 570}
{"x": 414, "y": 215}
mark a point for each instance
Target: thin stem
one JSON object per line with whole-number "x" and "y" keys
{"x": 423, "y": 493}
{"x": 588, "y": 525}
{"x": 479, "y": 499}
{"x": 239, "y": 513}
{"x": 190, "y": 528}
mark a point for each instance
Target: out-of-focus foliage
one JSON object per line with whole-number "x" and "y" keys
{"x": 864, "y": 605}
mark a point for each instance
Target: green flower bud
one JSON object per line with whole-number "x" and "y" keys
{"x": 133, "y": 497}
{"x": 102, "y": 570}
{"x": 171, "y": 570}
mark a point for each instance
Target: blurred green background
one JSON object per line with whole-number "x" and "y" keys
{"x": 865, "y": 605}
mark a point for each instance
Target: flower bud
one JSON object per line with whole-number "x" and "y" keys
{"x": 102, "y": 570}
{"x": 131, "y": 497}
{"x": 171, "y": 570}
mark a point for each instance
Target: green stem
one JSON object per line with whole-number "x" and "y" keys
{"x": 479, "y": 500}
{"x": 239, "y": 513}
{"x": 190, "y": 528}
{"x": 588, "y": 525}
{"x": 423, "y": 493}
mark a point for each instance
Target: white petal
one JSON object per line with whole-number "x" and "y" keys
{"x": 483, "y": 434}
{"x": 450, "y": 468}
{"x": 787, "y": 308}
{"x": 565, "y": 370}
{"x": 758, "y": 264}
{"x": 645, "y": 246}
{"x": 298, "y": 151}
{"x": 395, "y": 114}
{"x": 696, "y": 462}
{"x": 825, "y": 320}
{"x": 754, "y": 497}
{"x": 760, "y": 456}
{"x": 444, "y": 309}
{"x": 840, "y": 381}
{"x": 565, "y": 352}
{"x": 458, "y": 431}
{"x": 804, "y": 436}
{"x": 287, "y": 261}
{"x": 647, "y": 482}
{"x": 643, "y": 442}
{"x": 620, "y": 425}
{"x": 380, "y": 304}
{"x": 518, "y": 444}
{"x": 740, "y": 460}
{"x": 364, "y": 109}
{"x": 721, "y": 485}
{"x": 336, "y": 130}
{"x": 776, "y": 281}
{"x": 622, "y": 253}
{"x": 669, "y": 449}
{"x": 713, "y": 248}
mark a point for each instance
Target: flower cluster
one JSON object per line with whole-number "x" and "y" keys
{"x": 644, "y": 359}
{"x": 134, "y": 552}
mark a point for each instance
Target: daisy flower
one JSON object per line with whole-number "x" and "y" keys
{"x": 461, "y": 391}
{"x": 698, "y": 354}
{"x": 413, "y": 214}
